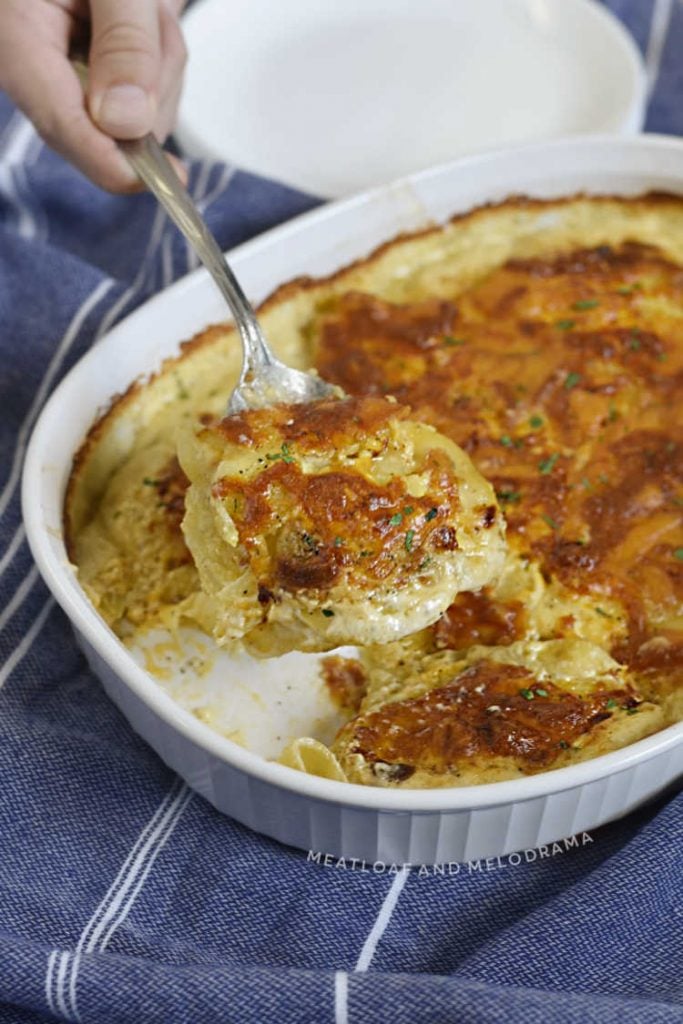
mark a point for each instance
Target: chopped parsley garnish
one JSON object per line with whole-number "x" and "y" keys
{"x": 506, "y": 441}
{"x": 662, "y": 357}
{"x": 510, "y": 496}
{"x": 527, "y": 694}
{"x": 310, "y": 542}
{"x": 450, "y": 340}
{"x": 678, "y": 553}
{"x": 283, "y": 454}
{"x": 611, "y": 703}
{"x": 328, "y": 613}
{"x": 148, "y": 482}
{"x": 571, "y": 380}
{"x": 536, "y": 421}
{"x": 546, "y": 466}
{"x": 603, "y": 479}
{"x": 586, "y": 304}
{"x": 425, "y": 562}
{"x": 409, "y": 540}
{"x": 586, "y": 483}
{"x": 601, "y": 611}
{"x": 338, "y": 541}
{"x": 565, "y": 325}
{"x": 612, "y": 413}
{"x": 631, "y": 711}
{"x": 432, "y": 514}
{"x": 634, "y": 342}
{"x": 408, "y": 510}
{"x": 396, "y": 519}
{"x": 550, "y": 521}
{"x": 627, "y": 289}
{"x": 541, "y": 693}
{"x": 563, "y": 745}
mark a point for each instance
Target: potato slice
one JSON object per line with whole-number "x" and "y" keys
{"x": 341, "y": 521}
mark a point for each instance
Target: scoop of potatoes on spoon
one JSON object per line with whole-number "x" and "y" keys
{"x": 315, "y": 519}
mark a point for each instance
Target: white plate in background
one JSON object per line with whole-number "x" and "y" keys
{"x": 333, "y": 97}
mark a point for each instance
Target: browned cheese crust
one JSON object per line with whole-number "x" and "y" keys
{"x": 561, "y": 375}
{"x": 563, "y": 380}
{"x": 490, "y": 718}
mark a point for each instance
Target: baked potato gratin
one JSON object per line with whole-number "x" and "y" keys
{"x": 542, "y": 339}
{"x": 336, "y": 522}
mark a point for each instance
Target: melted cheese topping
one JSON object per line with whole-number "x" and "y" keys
{"x": 338, "y": 522}
{"x": 562, "y": 378}
{"x": 498, "y": 713}
{"x": 544, "y": 339}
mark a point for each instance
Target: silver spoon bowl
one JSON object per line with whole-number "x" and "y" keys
{"x": 264, "y": 380}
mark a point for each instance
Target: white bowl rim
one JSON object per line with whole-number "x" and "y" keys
{"x": 61, "y": 580}
{"x": 632, "y": 114}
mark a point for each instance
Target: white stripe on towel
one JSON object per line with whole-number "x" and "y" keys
{"x": 71, "y": 334}
{"x": 146, "y": 267}
{"x": 24, "y": 431}
{"x": 27, "y": 642}
{"x": 19, "y": 596}
{"x": 224, "y": 179}
{"x": 53, "y": 367}
{"x": 59, "y": 984}
{"x": 142, "y": 877}
{"x": 383, "y": 918}
{"x": 10, "y": 485}
{"x": 48, "y": 979}
{"x": 84, "y": 934}
{"x": 19, "y": 149}
{"x": 52, "y": 980}
{"x": 12, "y": 548}
{"x": 341, "y": 997}
{"x": 124, "y": 890}
{"x": 167, "y": 260}
{"x": 659, "y": 30}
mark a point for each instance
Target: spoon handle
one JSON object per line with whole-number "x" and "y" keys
{"x": 152, "y": 165}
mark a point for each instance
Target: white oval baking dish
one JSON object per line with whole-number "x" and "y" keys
{"x": 430, "y": 826}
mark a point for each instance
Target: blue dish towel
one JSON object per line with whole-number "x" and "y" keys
{"x": 126, "y": 898}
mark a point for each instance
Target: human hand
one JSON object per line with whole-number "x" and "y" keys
{"x": 136, "y": 62}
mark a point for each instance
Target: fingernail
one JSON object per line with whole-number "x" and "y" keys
{"x": 126, "y": 111}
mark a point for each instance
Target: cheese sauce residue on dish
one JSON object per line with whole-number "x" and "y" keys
{"x": 555, "y": 360}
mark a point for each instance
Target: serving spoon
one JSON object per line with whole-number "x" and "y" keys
{"x": 264, "y": 379}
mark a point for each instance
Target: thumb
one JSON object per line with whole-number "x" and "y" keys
{"x": 125, "y": 64}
